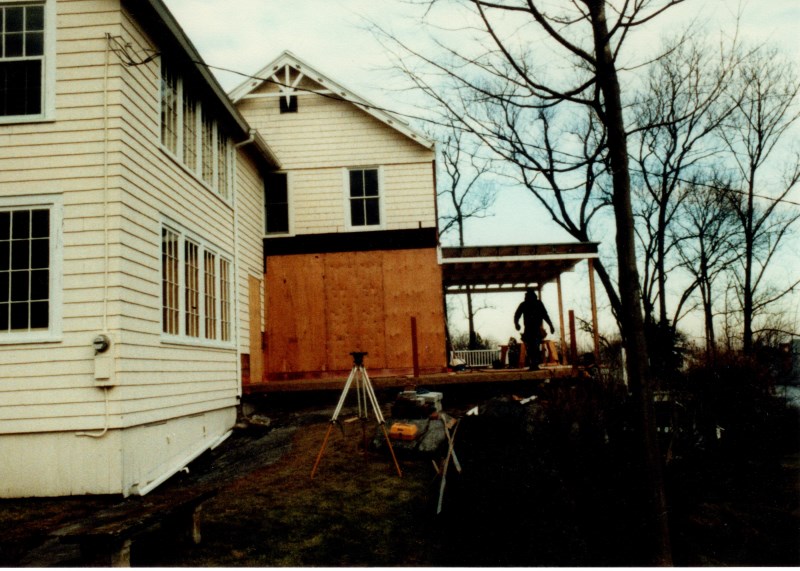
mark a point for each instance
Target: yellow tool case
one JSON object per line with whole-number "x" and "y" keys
{"x": 403, "y": 431}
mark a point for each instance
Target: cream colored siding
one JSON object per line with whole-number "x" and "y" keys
{"x": 326, "y": 135}
{"x": 250, "y": 208}
{"x": 48, "y": 386}
{"x": 102, "y": 157}
{"x": 161, "y": 379}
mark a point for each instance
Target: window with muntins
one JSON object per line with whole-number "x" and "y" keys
{"x": 225, "y": 299}
{"x": 364, "y": 198}
{"x": 25, "y": 269}
{"x": 210, "y": 267}
{"x": 192, "y": 289}
{"x": 170, "y": 282}
{"x": 191, "y": 133}
{"x": 30, "y": 267}
{"x": 276, "y": 203}
{"x": 196, "y": 290}
{"x": 190, "y": 130}
{"x": 170, "y": 110}
{"x": 22, "y": 60}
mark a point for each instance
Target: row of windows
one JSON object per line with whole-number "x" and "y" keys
{"x": 190, "y": 132}
{"x": 196, "y": 289}
{"x": 363, "y": 195}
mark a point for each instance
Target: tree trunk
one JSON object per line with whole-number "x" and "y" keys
{"x": 473, "y": 338}
{"x": 630, "y": 293}
{"x": 747, "y": 293}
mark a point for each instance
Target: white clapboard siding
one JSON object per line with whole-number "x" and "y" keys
{"x": 76, "y": 158}
{"x": 327, "y": 135}
{"x": 250, "y": 222}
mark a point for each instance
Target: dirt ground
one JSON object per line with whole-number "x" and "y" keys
{"x": 532, "y": 492}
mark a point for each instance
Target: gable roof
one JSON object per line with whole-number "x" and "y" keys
{"x": 331, "y": 89}
{"x": 162, "y": 25}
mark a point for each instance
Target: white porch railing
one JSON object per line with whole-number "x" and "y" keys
{"x": 477, "y": 357}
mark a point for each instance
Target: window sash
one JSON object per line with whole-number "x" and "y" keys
{"x": 222, "y": 164}
{"x": 207, "y": 149}
{"x": 22, "y": 60}
{"x": 169, "y": 109}
{"x": 225, "y": 299}
{"x": 191, "y": 266}
{"x": 210, "y": 293}
{"x": 364, "y": 197}
{"x": 190, "y": 130}
{"x": 25, "y": 239}
{"x": 170, "y": 283}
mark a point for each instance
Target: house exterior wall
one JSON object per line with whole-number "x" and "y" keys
{"x": 332, "y": 288}
{"x": 115, "y": 186}
{"x": 327, "y": 136}
{"x": 315, "y": 318}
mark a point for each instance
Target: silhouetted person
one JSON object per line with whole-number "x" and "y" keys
{"x": 533, "y": 313}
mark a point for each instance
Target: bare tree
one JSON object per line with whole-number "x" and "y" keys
{"x": 463, "y": 190}
{"x": 465, "y": 197}
{"x": 527, "y": 117}
{"x": 706, "y": 238}
{"x": 756, "y": 136}
{"x": 677, "y": 114}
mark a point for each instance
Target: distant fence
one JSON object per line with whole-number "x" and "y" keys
{"x": 476, "y": 358}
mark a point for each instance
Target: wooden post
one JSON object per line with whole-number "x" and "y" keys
{"x": 414, "y": 349}
{"x": 596, "y": 333}
{"x": 573, "y": 342}
{"x": 561, "y": 322}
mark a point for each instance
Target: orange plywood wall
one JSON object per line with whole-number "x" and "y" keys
{"x": 320, "y": 307}
{"x": 295, "y": 314}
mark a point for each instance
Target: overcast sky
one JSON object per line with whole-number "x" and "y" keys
{"x": 332, "y": 36}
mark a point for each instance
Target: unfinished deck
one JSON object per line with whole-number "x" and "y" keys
{"x": 470, "y": 376}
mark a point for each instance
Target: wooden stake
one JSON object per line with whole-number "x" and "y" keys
{"x": 590, "y": 262}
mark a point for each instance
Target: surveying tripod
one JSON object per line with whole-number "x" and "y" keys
{"x": 364, "y": 393}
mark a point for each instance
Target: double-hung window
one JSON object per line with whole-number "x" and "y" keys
{"x": 26, "y": 62}
{"x": 30, "y": 261}
{"x": 364, "y": 198}
{"x": 196, "y": 290}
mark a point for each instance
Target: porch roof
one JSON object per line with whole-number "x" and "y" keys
{"x": 513, "y": 268}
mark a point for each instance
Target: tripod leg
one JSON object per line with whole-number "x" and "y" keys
{"x": 379, "y": 415}
{"x": 321, "y": 450}
{"x": 334, "y": 417}
{"x": 389, "y": 442}
{"x": 343, "y": 396}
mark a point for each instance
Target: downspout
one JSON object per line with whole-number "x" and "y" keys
{"x": 236, "y": 147}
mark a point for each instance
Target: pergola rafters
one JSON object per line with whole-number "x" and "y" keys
{"x": 516, "y": 268}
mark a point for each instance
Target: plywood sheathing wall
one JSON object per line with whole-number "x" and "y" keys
{"x": 320, "y": 307}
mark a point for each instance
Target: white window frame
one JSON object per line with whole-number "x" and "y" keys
{"x": 348, "y": 222}
{"x": 48, "y": 65}
{"x": 196, "y": 170}
{"x": 289, "y": 210}
{"x": 55, "y": 319}
{"x": 202, "y": 339}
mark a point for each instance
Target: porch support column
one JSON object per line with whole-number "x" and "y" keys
{"x": 561, "y": 322}
{"x": 590, "y": 263}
